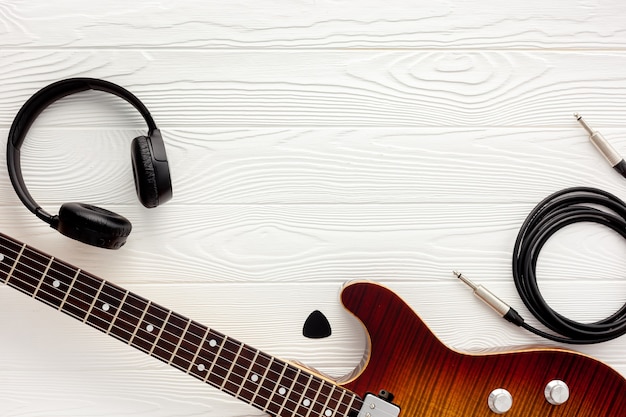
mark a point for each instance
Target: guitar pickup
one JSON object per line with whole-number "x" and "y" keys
{"x": 374, "y": 406}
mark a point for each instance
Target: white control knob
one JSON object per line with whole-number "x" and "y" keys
{"x": 500, "y": 401}
{"x": 556, "y": 392}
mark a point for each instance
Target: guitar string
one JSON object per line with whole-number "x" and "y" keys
{"x": 283, "y": 404}
{"x": 156, "y": 306}
{"x": 249, "y": 349}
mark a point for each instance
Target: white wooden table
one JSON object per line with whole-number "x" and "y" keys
{"x": 311, "y": 143}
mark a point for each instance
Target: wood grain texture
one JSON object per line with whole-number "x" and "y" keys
{"x": 322, "y": 88}
{"x": 320, "y": 166}
{"x": 320, "y": 24}
{"x": 311, "y": 143}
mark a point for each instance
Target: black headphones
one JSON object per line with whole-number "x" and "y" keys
{"x": 83, "y": 222}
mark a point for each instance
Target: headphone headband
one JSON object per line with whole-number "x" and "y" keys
{"x": 33, "y": 108}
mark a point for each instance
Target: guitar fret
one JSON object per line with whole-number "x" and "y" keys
{"x": 179, "y": 342}
{"x": 139, "y": 323}
{"x": 336, "y": 403}
{"x": 243, "y": 364}
{"x": 26, "y": 273}
{"x": 247, "y": 374}
{"x": 299, "y": 403}
{"x": 269, "y": 385}
{"x": 43, "y": 276}
{"x": 252, "y": 384}
{"x": 220, "y": 376}
{"x": 67, "y": 294}
{"x": 256, "y": 392}
{"x": 55, "y": 283}
{"x": 106, "y": 304}
{"x": 95, "y": 298}
{"x": 17, "y": 258}
{"x": 148, "y": 330}
{"x": 128, "y": 313}
{"x": 207, "y": 356}
{"x": 230, "y": 370}
{"x": 327, "y": 391}
{"x": 339, "y": 403}
{"x": 288, "y": 393}
{"x": 217, "y": 355}
{"x": 160, "y": 332}
{"x": 298, "y": 392}
{"x": 314, "y": 400}
{"x": 8, "y": 250}
{"x": 191, "y": 341}
{"x": 195, "y": 356}
{"x": 170, "y": 337}
{"x": 349, "y": 405}
{"x": 325, "y": 408}
{"x": 117, "y": 312}
{"x": 276, "y": 386}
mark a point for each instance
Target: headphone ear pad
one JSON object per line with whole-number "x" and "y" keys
{"x": 144, "y": 172}
{"x": 93, "y": 225}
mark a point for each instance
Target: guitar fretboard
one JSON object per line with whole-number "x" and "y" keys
{"x": 269, "y": 384}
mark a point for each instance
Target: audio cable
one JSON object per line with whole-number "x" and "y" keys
{"x": 565, "y": 207}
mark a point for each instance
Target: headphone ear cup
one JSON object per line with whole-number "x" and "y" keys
{"x": 93, "y": 225}
{"x": 144, "y": 172}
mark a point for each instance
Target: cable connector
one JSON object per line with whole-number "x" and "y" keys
{"x": 604, "y": 147}
{"x": 489, "y": 298}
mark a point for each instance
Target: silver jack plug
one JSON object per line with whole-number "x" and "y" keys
{"x": 489, "y": 298}
{"x": 603, "y": 146}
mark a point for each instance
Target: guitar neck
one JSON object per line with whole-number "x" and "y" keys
{"x": 266, "y": 382}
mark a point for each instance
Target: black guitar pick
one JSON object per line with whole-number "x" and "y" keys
{"x": 316, "y": 326}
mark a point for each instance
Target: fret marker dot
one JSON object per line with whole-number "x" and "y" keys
{"x": 328, "y": 413}
{"x": 1, "y": 257}
{"x": 212, "y": 343}
{"x": 306, "y": 402}
{"x": 56, "y": 283}
{"x": 254, "y": 378}
{"x": 282, "y": 391}
{"x": 149, "y": 328}
{"x": 201, "y": 367}
{"x": 105, "y": 307}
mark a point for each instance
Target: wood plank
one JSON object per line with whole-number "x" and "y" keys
{"x": 328, "y": 88}
{"x": 321, "y": 24}
{"x": 153, "y": 394}
{"x": 320, "y": 166}
{"x": 320, "y": 243}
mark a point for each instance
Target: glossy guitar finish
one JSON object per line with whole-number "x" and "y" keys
{"x": 430, "y": 380}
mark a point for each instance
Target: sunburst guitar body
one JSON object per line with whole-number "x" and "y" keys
{"x": 428, "y": 379}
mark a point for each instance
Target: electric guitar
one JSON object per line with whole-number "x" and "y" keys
{"x": 407, "y": 372}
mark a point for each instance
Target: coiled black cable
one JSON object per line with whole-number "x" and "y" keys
{"x": 571, "y": 205}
